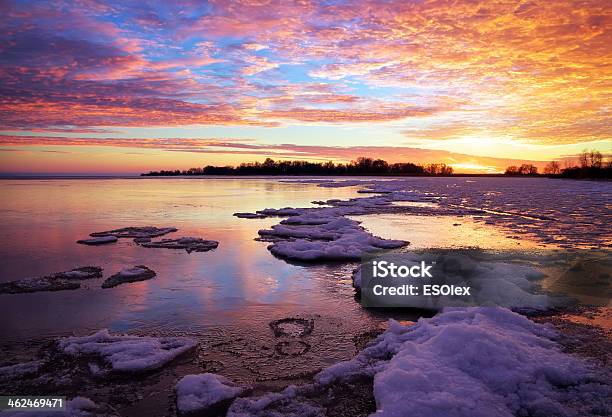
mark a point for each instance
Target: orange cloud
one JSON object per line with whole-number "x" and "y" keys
{"x": 237, "y": 150}
{"x": 537, "y": 71}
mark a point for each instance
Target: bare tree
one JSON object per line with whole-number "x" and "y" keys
{"x": 552, "y": 168}
{"x": 596, "y": 159}
{"x": 583, "y": 158}
{"x": 592, "y": 159}
{"x": 512, "y": 170}
{"x": 528, "y": 169}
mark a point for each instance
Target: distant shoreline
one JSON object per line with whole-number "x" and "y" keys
{"x": 263, "y": 176}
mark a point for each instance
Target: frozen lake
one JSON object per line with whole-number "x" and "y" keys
{"x": 227, "y": 297}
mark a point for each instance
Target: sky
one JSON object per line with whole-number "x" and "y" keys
{"x": 123, "y": 87}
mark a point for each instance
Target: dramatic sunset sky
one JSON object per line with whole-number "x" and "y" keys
{"x": 129, "y": 86}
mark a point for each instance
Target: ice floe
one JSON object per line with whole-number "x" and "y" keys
{"x": 126, "y": 275}
{"x": 468, "y": 362}
{"x": 100, "y": 240}
{"x": 123, "y": 353}
{"x": 205, "y": 394}
{"x": 323, "y": 234}
{"x": 136, "y": 232}
{"x": 190, "y": 244}
{"x": 250, "y": 215}
{"x": 67, "y": 280}
{"x": 282, "y": 212}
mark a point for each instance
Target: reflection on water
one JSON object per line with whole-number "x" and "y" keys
{"x": 225, "y": 297}
{"x": 442, "y": 232}
{"x": 237, "y": 285}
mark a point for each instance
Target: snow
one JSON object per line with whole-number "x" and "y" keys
{"x": 126, "y": 275}
{"x": 346, "y": 248}
{"x": 67, "y": 280}
{"x": 190, "y": 244}
{"x": 478, "y": 362}
{"x": 464, "y": 362}
{"x": 323, "y": 234}
{"x": 101, "y": 240}
{"x": 123, "y": 353}
{"x": 199, "y": 393}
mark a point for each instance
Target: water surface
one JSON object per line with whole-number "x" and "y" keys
{"x": 227, "y": 297}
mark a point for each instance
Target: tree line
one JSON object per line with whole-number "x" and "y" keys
{"x": 590, "y": 165}
{"x": 360, "y": 166}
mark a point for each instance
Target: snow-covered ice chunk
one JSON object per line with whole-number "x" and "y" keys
{"x": 205, "y": 393}
{"x": 348, "y": 248}
{"x": 323, "y": 235}
{"x": 100, "y": 240}
{"x": 250, "y": 215}
{"x": 83, "y": 272}
{"x": 292, "y": 326}
{"x": 190, "y": 244}
{"x": 126, "y": 275}
{"x": 37, "y": 284}
{"x": 481, "y": 362}
{"x": 67, "y": 280}
{"x": 124, "y": 353}
{"x": 283, "y": 212}
{"x": 136, "y": 232}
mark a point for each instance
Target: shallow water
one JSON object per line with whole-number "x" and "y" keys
{"x": 41, "y": 220}
{"x": 226, "y": 297}
{"x": 425, "y": 232}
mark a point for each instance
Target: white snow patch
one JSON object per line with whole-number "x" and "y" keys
{"x": 125, "y": 353}
{"x": 198, "y": 393}
{"x": 323, "y": 235}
